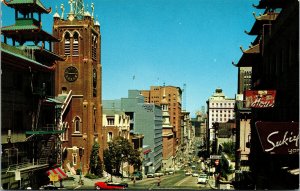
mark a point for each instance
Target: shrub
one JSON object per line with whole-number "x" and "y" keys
{"x": 91, "y": 176}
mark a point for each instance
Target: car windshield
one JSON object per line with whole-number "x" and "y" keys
{"x": 202, "y": 175}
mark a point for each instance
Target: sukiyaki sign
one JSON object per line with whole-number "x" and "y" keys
{"x": 260, "y": 98}
{"x": 279, "y": 137}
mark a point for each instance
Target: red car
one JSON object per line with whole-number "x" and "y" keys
{"x": 110, "y": 186}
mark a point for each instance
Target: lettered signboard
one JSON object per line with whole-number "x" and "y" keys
{"x": 279, "y": 137}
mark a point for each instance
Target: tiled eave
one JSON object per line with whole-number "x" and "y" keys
{"x": 23, "y": 33}
{"x": 20, "y": 61}
{"x": 250, "y": 56}
{"x": 260, "y": 21}
{"x": 26, "y": 6}
{"x": 265, "y": 4}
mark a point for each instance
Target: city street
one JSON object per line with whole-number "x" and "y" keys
{"x": 175, "y": 181}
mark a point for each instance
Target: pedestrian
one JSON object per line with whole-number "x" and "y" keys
{"x": 158, "y": 181}
{"x": 134, "y": 180}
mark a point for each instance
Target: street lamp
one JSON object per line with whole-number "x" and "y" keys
{"x": 122, "y": 165}
{"x": 81, "y": 152}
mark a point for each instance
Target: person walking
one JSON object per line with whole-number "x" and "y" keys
{"x": 158, "y": 181}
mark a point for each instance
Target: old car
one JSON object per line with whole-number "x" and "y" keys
{"x": 137, "y": 175}
{"x": 202, "y": 179}
{"x": 110, "y": 186}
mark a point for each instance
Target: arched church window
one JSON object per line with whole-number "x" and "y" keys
{"x": 67, "y": 44}
{"x": 75, "y": 44}
{"x": 94, "y": 47}
{"x": 77, "y": 125}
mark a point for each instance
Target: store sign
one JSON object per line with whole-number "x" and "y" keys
{"x": 260, "y": 98}
{"x": 279, "y": 137}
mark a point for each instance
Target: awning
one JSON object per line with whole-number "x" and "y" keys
{"x": 61, "y": 174}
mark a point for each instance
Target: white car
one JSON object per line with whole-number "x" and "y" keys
{"x": 202, "y": 179}
{"x": 195, "y": 174}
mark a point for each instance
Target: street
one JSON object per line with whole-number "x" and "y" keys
{"x": 176, "y": 181}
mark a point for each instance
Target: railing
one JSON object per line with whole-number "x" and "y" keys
{"x": 14, "y": 167}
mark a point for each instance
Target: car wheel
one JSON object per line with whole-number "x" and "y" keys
{"x": 98, "y": 188}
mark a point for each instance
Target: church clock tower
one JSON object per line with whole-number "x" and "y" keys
{"x": 78, "y": 82}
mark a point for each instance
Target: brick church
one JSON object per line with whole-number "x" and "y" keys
{"x": 78, "y": 82}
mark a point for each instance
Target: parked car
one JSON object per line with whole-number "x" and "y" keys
{"x": 48, "y": 187}
{"x": 150, "y": 175}
{"x": 110, "y": 186}
{"x": 157, "y": 174}
{"x": 188, "y": 173}
{"x": 195, "y": 174}
{"x": 202, "y": 179}
{"x": 137, "y": 175}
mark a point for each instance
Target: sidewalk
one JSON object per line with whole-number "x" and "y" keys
{"x": 74, "y": 184}
{"x": 211, "y": 182}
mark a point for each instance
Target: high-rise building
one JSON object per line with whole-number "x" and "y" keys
{"x": 220, "y": 109}
{"x": 78, "y": 83}
{"x": 146, "y": 120}
{"x": 173, "y": 96}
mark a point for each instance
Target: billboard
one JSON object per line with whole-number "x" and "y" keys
{"x": 279, "y": 137}
{"x": 260, "y": 98}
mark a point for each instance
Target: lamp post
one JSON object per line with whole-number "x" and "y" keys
{"x": 122, "y": 165}
{"x": 81, "y": 152}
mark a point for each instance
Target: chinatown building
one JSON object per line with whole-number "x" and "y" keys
{"x": 78, "y": 84}
{"x": 273, "y": 99}
{"x": 29, "y": 131}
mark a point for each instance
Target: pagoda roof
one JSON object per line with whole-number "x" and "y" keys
{"x": 27, "y": 32}
{"x": 21, "y": 60}
{"x": 264, "y": 4}
{"x": 40, "y": 52}
{"x": 27, "y": 6}
{"x": 260, "y": 20}
{"x": 250, "y": 56}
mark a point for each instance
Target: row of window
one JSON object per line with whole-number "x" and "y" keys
{"x": 224, "y": 110}
{"x": 222, "y": 104}
{"x": 221, "y": 119}
{"x": 221, "y": 115}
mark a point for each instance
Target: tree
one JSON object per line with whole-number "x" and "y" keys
{"x": 95, "y": 161}
{"x": 120, "y": 150}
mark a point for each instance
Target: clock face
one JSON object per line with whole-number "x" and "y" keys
{"x": 71, "y": 74}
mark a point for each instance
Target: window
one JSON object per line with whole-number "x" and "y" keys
{"x": 64, "y": 136}
{"x": 74, "y": 157}
{"x": 94, "y": 47}
{"x": 77, "y": 125}
{"x": 67, "y": 44}
{"x": 109, "y": 136}
{"x": 75, "y": 44}
{"x": 110, "y": 121}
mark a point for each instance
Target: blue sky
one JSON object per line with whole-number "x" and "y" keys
{"x": 171, "y": 42}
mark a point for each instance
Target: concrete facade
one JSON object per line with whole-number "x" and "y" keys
{"x": 145, "y": 119}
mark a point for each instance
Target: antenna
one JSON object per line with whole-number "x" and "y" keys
{"x": 184, "y": 97}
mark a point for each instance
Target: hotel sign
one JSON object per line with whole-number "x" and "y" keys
{"x": 279, "y": 137}
{"x": 260, "y": 98}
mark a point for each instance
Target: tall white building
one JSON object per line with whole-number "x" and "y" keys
{"x": 220, "y": 109}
